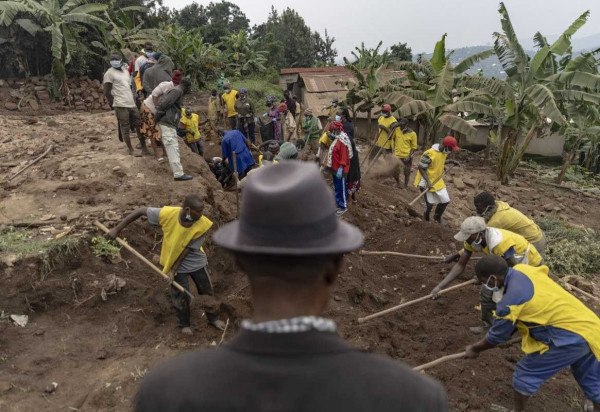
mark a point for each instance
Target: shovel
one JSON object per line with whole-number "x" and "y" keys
{"x": 411, "y": 211}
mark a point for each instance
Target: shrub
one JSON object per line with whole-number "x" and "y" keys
{"x": 570, "y": 250}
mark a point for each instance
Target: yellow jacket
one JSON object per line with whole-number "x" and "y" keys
{"x": 177, "y": 237}
{"x": 551, "y": 305}
{"x": 384, "y": 123}
{"x": 192, "y": 132}
{"x": 437, "y": 161}
{"x": 511, "y": 219}
{"x": 499, "y": 241}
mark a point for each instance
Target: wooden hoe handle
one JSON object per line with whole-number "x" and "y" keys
{"x": 143, "y": 259}
{"x": 412, "y": 302}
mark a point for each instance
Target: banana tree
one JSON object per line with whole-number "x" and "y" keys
{"x": 530, "y": 104}
{"x": 431, "y": 93}
{"x": 243, "y": 54}
{"x": 124, "y": 30}
{"x": 61, "y": 19}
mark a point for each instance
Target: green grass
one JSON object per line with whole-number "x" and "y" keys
{"x": 24, "y": 243}
{"x": 259, "y": 88}
{"x": 571, "y": 251}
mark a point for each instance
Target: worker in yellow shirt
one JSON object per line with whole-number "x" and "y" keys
{"x": 501, "y": 215}
{"x": 558, "y": 330}
{"x": 430, "y": 177}
{"x": 184, "y": 232}
{"x": 404, "y": 145}
{"x": 386, "y": 124}
{"x": 189, "y": 125}
{"x": 229, "y": 98}
{"x": 478, "y": 237}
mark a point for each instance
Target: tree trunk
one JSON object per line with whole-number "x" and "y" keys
{"x": 506, "y": 149}
{"x": 486, "y": 151}
{"x": 369, "y": 123}
{"x": 567, "y": 159}
{"x": 512, "y": 153}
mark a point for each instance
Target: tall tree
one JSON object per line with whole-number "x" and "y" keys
{"x": 325, "y": 52}
{"x": 223, "y": 18}
{"x": 193, "y": 16}
{"x": 401, "y": 52}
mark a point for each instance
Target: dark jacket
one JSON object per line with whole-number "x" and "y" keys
{"x": 307, "y": 371}
{"x": 168, "y": 111}
{"x": 160, "y": 72}
{"x": 354, "y": 172}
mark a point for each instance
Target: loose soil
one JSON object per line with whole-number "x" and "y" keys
{"x": 97, "y": 351}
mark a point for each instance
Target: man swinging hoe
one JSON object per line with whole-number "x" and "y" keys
{"x": 184, "y": 231}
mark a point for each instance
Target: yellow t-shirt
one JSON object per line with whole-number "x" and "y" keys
{"x": 192, "y": 132}
{"x": 499, "y": 241}
{"x": 436, "y": 161}
{"x": 382, "y": 139}
{"x": 404, "y": 143}
{"x": 229, "y": 99}
{"x": 177, "y": 237}
{"x": 511, "y": 219}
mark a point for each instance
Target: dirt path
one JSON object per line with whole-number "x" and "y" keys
{"x": 97, "y": 351}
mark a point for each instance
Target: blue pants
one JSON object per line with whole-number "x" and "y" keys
{"x": 534, "y": 369}
{"x": 339, "y": 187}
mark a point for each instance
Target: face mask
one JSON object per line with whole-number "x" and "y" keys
{"x": 116, "y": 64}
{"x": 334, "y": 104}
{"x": 494, "y": 288}
{"x": 446, "y": 150}
{"x": 149, "y": 53}
{"x": 385, "y": 114}
{"x": 476, "y": 244}
{"x": 338, "y": 118}
{"x": 227, "y": 90}
{"x": 188, "y": 217}
{"x": 498, "y": 295}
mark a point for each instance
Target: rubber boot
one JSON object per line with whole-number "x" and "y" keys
{"x": 428, "y": 207}
{"x": 439, "y": 211}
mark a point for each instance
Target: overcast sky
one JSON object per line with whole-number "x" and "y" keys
{"x": 420, "y": 23}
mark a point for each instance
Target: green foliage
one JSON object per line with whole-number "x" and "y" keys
{"x": 24, "y": 244}
{"x": 102, "y": 247}
{"x": 259, "y": 87}
{"x": 571, "y": 251}
{"x": 242, "y": 55}
{"x": 401, "y": 52}
{"x": 199, "y": 60}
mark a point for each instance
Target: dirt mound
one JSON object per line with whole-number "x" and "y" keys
{"x": 96, "y": 327}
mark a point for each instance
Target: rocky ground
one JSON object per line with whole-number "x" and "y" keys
{"x": 96, "y": 327}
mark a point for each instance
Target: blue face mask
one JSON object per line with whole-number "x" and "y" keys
{"x": 338, "y": 118}
{"x": 116, "y": 64}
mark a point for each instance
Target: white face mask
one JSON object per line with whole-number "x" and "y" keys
{"x": 498, "y": 294}
{"x": 338, "y": 118}
{"x": 476, "y": 244}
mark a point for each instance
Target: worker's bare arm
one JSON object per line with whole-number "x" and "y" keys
{"x": 133, "y": 216}
{"x": 457, "y": 270}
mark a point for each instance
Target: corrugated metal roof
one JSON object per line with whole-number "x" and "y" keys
{"x": 319, "y": 83}
{"x": 330, "y": 69}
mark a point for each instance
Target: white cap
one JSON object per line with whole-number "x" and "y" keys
{"x": 470, "y": 226}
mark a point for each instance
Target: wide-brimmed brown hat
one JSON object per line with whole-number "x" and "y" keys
{"x": 287, "y": 209}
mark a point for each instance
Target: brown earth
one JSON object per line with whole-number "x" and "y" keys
{"x": 97, "y": 351}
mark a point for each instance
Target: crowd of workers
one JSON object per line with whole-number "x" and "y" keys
{"x": 290, "y": 242}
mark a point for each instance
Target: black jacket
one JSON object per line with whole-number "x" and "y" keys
{"x": 168, "y": 111}
{"x": 307, "y": 371}
{"x": 354, "y": 172}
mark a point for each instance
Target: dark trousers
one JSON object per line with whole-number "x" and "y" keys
{"x": 197, "y": 147}
{"x": 241, "y": 126}
{"x": 488, "y": 306}
{"x": 232, "y": 122}
{"x": 181, "y": 300}
{"x": 128, "y": 118}
{"x": 340, "y": 190}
